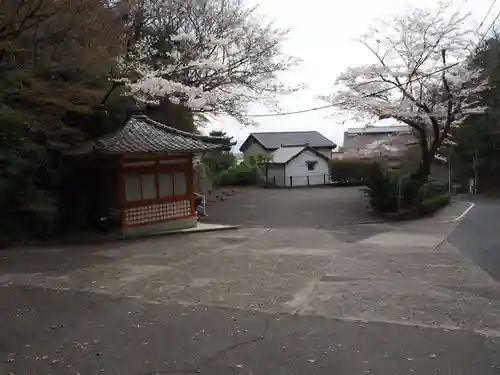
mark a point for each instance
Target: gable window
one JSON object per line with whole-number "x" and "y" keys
{"x": 311, "y": 165}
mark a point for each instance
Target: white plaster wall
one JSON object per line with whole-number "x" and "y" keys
{"x": 276, "y": 174}
{"x": 327, "y": 151}
{"x": 253, "y": 150}
{"x": 297, "y": 169}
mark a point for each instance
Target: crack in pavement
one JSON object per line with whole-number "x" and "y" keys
{"x": 218, "y": 354}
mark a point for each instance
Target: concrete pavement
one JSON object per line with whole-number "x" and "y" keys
{"x": 352, "y": 299}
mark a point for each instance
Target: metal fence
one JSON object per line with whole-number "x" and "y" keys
{"x": 291, "y": 181}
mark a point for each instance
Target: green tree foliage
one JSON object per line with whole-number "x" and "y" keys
{"x": 392, "y": 192}
{"x": 58, "y": 87}
{"x": 174, "y": 115}
{"x": 55, "y": 57}
{"x": 349, "y": 171}
{"x": 219, "y": 161}
{"x": 477, "y": 155}
{"x": 238, "y": 175}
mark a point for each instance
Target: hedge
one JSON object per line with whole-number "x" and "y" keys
{"x": 432, "y": 204}
{"x": 239, "y": 175}
{"x": 349, "y": 171}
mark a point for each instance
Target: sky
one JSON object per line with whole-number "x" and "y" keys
{"x": 323, "y": 35}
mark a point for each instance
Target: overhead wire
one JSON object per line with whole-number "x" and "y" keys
{"x": 390, "y": 88}
{"x": 364, "y": 96}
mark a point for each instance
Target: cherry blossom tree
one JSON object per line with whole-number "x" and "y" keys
{"x": 213, "y": 56}
{"x": 418, "y": 77}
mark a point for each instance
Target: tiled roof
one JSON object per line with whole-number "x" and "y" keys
{"x": 275, "y": 140}
{"x": 142, "y": 135}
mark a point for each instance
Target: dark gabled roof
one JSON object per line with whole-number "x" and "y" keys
{"x": 142, "y": 135}
{"x": 274, "y": 140}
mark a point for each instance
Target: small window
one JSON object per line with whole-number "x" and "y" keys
{"x": 172, "y": 184}
{"x": 166, "y": 184}
{"x": 180, "y": 184}
{"x": 143, "y": 187}
{"x": 148, "y": 186}
{"x": 311, "y": 165}
{"x": 140, "y": 187}
{"x": 133, "y": 188}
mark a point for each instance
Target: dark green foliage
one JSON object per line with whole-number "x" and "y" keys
{"x": 434, "y": 203}
{"x": 385, "y": 189}
{"x": 348, "y": 171}
{"x": 220, "y": 160}
{"x": 53, "y": 78}
{"x": 174, "y": 115}
{"x": 220, "y": 137}
{"x": 28, "y": 174}
{"x": 478, "y": 153}
{"x": 398, "y": 191}
{"x": 239, "y": 175}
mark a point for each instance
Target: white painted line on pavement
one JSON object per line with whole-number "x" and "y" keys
{"x": 471, "y": 205}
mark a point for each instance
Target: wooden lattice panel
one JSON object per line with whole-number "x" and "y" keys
{"x": 157, "y": 212}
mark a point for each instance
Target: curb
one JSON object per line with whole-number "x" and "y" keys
{"x": 116, "y": 238}
{"x": 181, "y": 232}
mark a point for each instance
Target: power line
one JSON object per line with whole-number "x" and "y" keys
{"x": 390, "y": 88}
{"x": 481, "y": 25}
{"x": 488, "y": 29}
{"x": 292, "y": 112}
{"x": 364, "y": 96}
{"x": 486, "y": 15}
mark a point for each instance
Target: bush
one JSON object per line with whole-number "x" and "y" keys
{"x": 397, "y": 192}
{"x": 385, "y": 190}
{"x": 432, "y": 204}
{"x": 239, "y": 175}
{"x": 28, "y": 178}
{"x": 432, "y": 189}
{"x": 349, "y": 171}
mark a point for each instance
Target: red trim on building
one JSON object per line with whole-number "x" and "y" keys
{"x": 157, "y": 207}
{"x": 121, "y": 190}
{"x": 159, "y": 221}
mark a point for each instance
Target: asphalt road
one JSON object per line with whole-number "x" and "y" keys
{"x": 64, "y": 332}
{"x": 478, "y": 235}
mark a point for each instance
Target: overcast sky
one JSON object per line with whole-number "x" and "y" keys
{"x": 323, "y": 34}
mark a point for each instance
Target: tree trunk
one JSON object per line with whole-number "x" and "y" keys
{"x": 112, "y": 88}
{"x": 417, "y": 180}
{"x": 423, "y": 172}
{"x": 424, "y": 169}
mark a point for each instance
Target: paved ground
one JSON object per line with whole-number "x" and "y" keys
{"x": 478, "y": 234}
{"x": 349, "y": 299}
{"x": 321, "y": 208}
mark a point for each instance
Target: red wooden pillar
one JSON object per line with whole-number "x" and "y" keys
{"x": 190, "y": 185}
{"x": 121, "y": 190}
